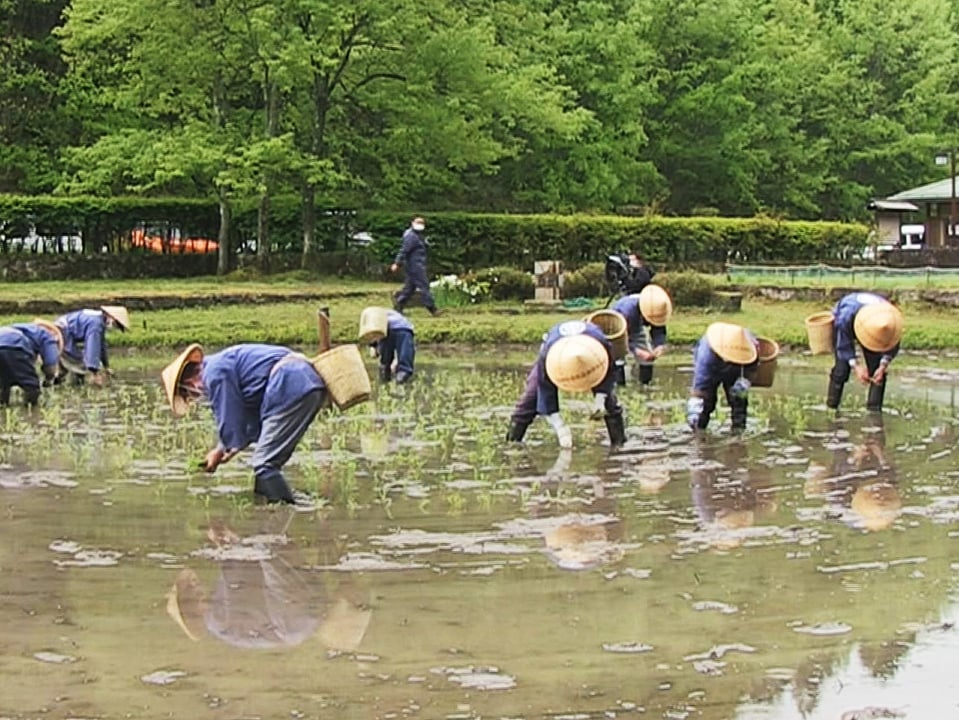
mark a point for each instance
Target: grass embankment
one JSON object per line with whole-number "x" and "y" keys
{"x": 294, "y": 323}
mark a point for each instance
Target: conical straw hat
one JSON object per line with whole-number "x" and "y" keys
{"x": 118, "y": 313}
{"x": 879, "y": 326}
{"x": 53, "y": 330}
{"x": 732, "y": 343}
{"x": 577, "y": 363}
{"x": 171, "y": 377}
{"x": 655, "y": 305}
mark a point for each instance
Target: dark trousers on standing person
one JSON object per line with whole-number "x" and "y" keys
{"x": 401, "y": 346}
{"x": 738, "y": 406}
{"x": 840, "y": 373}
{"x": 17, "y": 370}
{"x": 525, "y": 411}
{"x": 415, "y": 282}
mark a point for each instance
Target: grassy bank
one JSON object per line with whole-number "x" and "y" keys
{"x": 294, "y": 323}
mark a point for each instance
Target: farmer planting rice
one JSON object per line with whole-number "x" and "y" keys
{"x": 646, "y": 313}
{"x": 84, "y": 337}
{"x": 876, "y": 325}
{"x": 392, "y": 337}
{"x": 728, "y": 356}
{"x": 263, "y": 394}
{"x": 576, "y": 357}
{"x": 20, "y": 347}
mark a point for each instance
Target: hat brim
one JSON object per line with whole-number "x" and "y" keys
{"x": 171, "y": 378}
{"x": 731, "y": 343}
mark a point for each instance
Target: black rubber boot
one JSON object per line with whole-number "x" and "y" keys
{"x": 645, "y": 374}
{"x": 739, "y": 409}
{"x": 516, "y": 432}
{"x": 31, "y": 397}
{"x": 5, "y": 395}
{"x": 272, "y": 488}
{"x": 386, "y": 374}
{"x": 616, "y": 427}
{"x": 620, "y": 371}
{"x": 834, "y": 394}
{"x": 875, "y": 397}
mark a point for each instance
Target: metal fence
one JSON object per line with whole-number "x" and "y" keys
{"x": 820, "y": 274}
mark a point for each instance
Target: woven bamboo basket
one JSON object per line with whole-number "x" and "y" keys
{"x": 819, "y": 329}
{"x": 373, "y": 324}
{"x": 345, "y": 375}
{"x": 768, "y": 353}
{"x": 613, "y": 325}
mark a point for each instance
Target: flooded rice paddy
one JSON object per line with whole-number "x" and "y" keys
{"x": 807, "y": 569}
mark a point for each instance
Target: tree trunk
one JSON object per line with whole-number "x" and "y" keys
{"x": 309, "y": 224}
{"x": 223, "y": 261}
{"x": 321, "y": 106}
{"x": 271, "y": 124}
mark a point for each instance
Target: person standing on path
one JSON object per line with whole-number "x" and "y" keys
{"x": 412, "y": 257}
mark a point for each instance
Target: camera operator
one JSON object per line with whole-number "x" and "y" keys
{"x": 627, "y": 273}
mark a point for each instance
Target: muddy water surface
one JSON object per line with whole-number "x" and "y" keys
{"x": 804, "y": 570}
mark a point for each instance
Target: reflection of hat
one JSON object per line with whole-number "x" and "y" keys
{"x": 186, "y": 604}
{"x": 652, "y": 479}
{"x": 171, "y": 377}
{"x": 578, "y": 546}
{"x": 577, "y": 363}
{"x": 876, "y": 504}
{"x": 655, "y": 305}
{"x": 345, "y": 625}
{"x": 119, "y": 314}
{"x": 53, "y": 330}
{"x": 878, "y": 326}
{"x": 732, "y": 343}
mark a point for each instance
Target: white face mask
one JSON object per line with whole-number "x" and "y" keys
{"x": 419, "y": 227}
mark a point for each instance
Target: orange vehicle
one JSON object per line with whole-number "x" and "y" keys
{"x": 174, "y": 245}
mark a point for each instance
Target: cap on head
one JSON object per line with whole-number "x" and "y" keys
{"x": 577, "y": 363}
{"x": 655, "y": 305}
{"x": 172, "y": 375}
{"x": 732, "y": 343}
{"x": 878, "y": 326}
{"x": 53, "y": 330}
{"x": 119, "y": 314}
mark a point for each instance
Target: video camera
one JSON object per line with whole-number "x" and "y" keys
{"x": 623, "y": 277}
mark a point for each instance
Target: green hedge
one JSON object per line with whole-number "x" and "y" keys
{"x": 460, "y": 242}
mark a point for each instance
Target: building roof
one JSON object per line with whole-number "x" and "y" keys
{"x": 892, "y": 206}
{"x": 939, "y": 190}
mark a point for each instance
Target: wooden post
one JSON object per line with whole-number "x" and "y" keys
{"x": 323, "y": 328}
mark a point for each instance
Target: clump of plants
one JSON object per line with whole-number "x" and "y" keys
{"x": 505, "y": 283}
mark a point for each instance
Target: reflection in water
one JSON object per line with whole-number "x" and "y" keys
{"x": 260, "y": 600}
{"x": 729, "y": 492}
{"x": 861, "y": 486}
{"x": 719, "y": 579}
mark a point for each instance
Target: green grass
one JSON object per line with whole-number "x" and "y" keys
{"x": 928, "y": 327}
{"x": 865, "y": 278}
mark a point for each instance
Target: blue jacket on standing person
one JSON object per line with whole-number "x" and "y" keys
{"x": 412, "y": 258}
{"x": 575, "y": 356}
{"x": 728, "y": 356}
{"x": 263, "y": 394}
{"x": 20, "y": 346}
{"x": 876, "y": 325}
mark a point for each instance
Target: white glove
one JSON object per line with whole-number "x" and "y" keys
{"x": 694, "y": 409}
{"x": 563, "y": 434}
{"x": 599, "y": 406}
{"x": 740, "y": 388}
